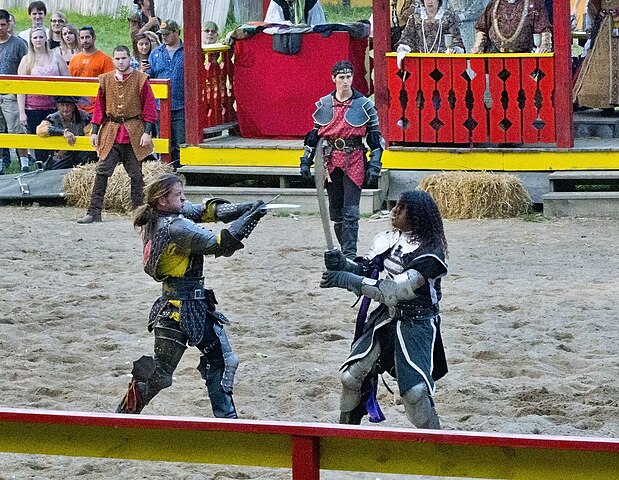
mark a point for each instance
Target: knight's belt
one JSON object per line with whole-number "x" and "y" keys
{"x": 346, "y": 144}
{"x": 183, "y": 288}
{"x": 414, "y": 312}
{"x": 121, "y": 119}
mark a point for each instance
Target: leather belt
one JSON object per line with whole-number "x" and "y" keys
{"x": 345, "y": 143}
{"x": 183, "y": 288}
{"x": 414, "y": 312}
{"x": 121, "y": 119}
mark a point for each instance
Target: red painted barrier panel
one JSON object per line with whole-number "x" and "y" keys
{"x": 217, "y": 98}
{"x": 459, "y": 99}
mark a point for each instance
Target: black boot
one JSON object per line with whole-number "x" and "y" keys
{"x": 137, "y": 192}
{"x": 99, "y": 187}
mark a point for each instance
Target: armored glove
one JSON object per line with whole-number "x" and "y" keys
{"x": 347, "y": 280}
{"x": 228, "y": 212}
{"x": 245, "y": 224}
{"x": 335, "y": 260}
{"x": 306, "y": 162}
{"x": 372, "y": 174}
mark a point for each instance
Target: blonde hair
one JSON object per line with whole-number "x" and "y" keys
{"x": 31, "y": 56}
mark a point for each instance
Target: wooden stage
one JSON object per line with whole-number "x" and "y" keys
{"x": 587, "y": 154}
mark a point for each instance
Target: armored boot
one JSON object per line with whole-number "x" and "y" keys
{"x": 337, "y": 228}
{"x": 221, "y": 400}
{"x": 96, "y": 200}
{"x": 350, "y": 231}
{"x": 353, "y": 417}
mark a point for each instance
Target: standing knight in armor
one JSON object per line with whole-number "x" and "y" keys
{"x": 402, "y": 335}
{"x": 174, "y": 250}
{"x": 343, "y": 118}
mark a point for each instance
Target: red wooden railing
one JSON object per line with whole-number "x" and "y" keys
{"x": 477, "y": 99}
{"x": 307, "y": 448}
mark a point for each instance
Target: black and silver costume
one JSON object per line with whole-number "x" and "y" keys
{"x": 402, "y": 335}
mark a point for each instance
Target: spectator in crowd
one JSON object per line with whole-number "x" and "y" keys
{"x": 11, "y": 24}
{"x": 210, "y": 30}
{"x": 69, "y": 42}
{"x": 167, "y": 61}
{"x": 123, "y": 120}
{"x": 509, "y": 26}
{"x": 597, "y": 84}
{"x": 36, "y": 11}
{"x": 90, "y": 62}
{"x": 400, "y": 11}
{"x": 431, "y": 30}
{"x": 56, "y": 22}
{"x": 144, "y": 20}
{"x": 154, "y": 39}
{"x": 295, "y": 12}
{"x": 12, "y": 50}
{"x": 39, "y": 62}
{"x": 141, "y": 52}
{"x": 68, "y": 122}
{"x": 468, "y": 12}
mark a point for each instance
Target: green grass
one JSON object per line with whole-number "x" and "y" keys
{"x": 110, "y": 31}
{"x": 113, "y": 31}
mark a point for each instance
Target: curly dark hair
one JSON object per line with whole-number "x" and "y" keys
{"x": 425, "y": 219}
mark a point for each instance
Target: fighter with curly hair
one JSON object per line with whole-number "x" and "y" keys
{"x": 402, "y": 335}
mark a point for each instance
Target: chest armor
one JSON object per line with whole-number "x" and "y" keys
{"x": 157, "y": 243}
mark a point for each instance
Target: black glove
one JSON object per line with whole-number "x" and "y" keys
{"x": 245, "y": 224}
{"x": 347, "y": 280}
{"x": 305, "y": 168}
{"x": 227, "y": 212}
{"x": 335, "y": 260}
{"x": 372, "y": 174}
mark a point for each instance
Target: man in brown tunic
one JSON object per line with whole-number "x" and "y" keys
{"x": 123, "y": 121}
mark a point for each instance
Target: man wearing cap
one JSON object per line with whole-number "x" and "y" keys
{"x": 123, "y": 121}
{"x": 342, "y": 119}
{"x": 167, "y": 61}
{"x": 68, "y": 122}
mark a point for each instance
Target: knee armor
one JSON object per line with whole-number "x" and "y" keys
{"x": 352, "y": 378}
{"x": 419, "y": 407}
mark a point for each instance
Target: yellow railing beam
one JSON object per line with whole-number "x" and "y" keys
{"x": 63, "y": 87}
{"x": 25, "y": 141}
{"x": 343, "y": 448}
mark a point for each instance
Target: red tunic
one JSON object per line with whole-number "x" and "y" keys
{"x": 352, "y": 163}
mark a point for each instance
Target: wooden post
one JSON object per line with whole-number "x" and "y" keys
{"x": 305, "y": 458}
{"x": 194, "y": 61}
{"x": 382, "y": 45}
{"x": 564, "y": 116}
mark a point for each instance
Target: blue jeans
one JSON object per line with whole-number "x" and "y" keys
{"x": 178, "y": 136}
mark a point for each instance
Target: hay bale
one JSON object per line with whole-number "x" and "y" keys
{"x": 462, "y": 195}
{"x": 77, "y": 184}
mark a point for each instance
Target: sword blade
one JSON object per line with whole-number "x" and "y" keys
{"x": 319, "y": 176}
{"x": 275, "y": 206}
